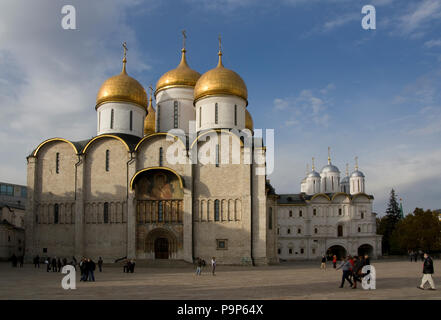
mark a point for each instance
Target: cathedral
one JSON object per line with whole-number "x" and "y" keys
{"x": 330, "y": 216}
{"x": 180, "y": 179}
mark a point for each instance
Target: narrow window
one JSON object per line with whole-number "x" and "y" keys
{"x": 175, "y": 114}
{"x": 158, "y": 118}
{"x": 299, "y": 231}
{"x": 315, "y": 230}
{"x": 332, "y": 181}
{"x": 200, "y": 117}
{"x": 339, "y": 212}
{"x": 290, "y": 213}
{"x": 340, "y": 231}
{"x": 160, "y": 212}
{"x": 313, "y": 251}
{"x": 302, "y": 251}
{"x": 131, "y": 120}
{"x": 217, "y": 155}
{"x": 314, "y": 212}
{"x": 359, "y": 229}
{"x": 160, "y": 157}
{"x": 57, "y": 162}
{"x": 358, "y": 181}
{"x": 325, "y": 183}
{"x": 279, "y": 251}
{"x": 235, "y": 115}
{"x": 290, "y": 251}
{"x": 216, "y": 210}
{"x": 216, "y": 119}
{"x": 288, "y": 231}
{"x": 56, "y": 213}
{"x": 270, "y": 218}
{"x": 106, "y": 212}
{"x": 300, "y": 213}
{"x": 362, "y": 215}
{"x": 107, "y": 160}
{"x": 278, "y": 230}
{"x": 112, "y": 116}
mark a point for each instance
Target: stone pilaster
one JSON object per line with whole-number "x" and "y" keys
{"x": 188, "y": 214}
{"x": 79, "y": 207}
{"x": 131, "y": 211}
{"x": 30, "y": 224}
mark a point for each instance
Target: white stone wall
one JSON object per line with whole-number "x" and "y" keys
{"x": 165, "y": 103}
{"x": 356, "y": 185}
{"x": 205, "y": 113}
{"x": 121, "y": 118}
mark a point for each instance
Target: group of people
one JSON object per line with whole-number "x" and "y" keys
{"x": 200, "y": 264}
{"x": 87, "y": 269}
{"x": 129, "y": 266}
{"x": 55, "y": 264}
{"x": 415, "y": 254}
{"x": 352, "y": 269}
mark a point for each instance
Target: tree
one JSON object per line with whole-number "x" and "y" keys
{"x": 387, "y": 224}
{"x": 420, "y": 230}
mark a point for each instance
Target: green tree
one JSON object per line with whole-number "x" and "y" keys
{"x": 386, "y": 225}
{"x": 420, "y": 230}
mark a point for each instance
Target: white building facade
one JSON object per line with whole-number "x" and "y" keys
{"x": 331, "y": 217}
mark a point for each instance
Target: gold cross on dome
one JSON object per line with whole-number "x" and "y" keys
{"x": 184, "y": 36}
{"x": 125, "y": 49}
{"x": 220, "y": 42}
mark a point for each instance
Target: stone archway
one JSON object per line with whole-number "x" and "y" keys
{"x": 161, "y": 243}
{"x": 365, "y": 249}
{"x": 338, "y": 251}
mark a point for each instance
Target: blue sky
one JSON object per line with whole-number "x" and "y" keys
{"x": 313, "y": 74}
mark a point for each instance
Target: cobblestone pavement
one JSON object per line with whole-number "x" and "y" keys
{"x": 294, "y": 280}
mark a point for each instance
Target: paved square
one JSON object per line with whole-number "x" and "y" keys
{"x": 296, "y": 280}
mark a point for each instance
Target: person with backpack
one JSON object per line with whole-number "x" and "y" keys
{"x": 323, "y": 264}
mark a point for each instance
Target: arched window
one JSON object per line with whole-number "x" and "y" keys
{"x": 107, "y": 160}
{"x": 332, "y": 181}
{"x": 235, "y": 115}
{"x": 200, "y": 116}
{"x": 158, "y": 118}
{"x": 315, "y": 230}
{"x": 300, "y": 213}
{"x": 358, "y": 181}
{"x": 216, "y": 210}
{"x": 217, "y": 155}
{"x": 160, "y": 157}
{"x": 216, "y": 115}
{"x": 340, "y": 231}
{"x": 112, "y": 118}
{"x": 56, "y": 213}
{"x": 106, "y": 212}
{"x": 359, "y": 229}
{"x": 290, "y": 213}
{"x": 175, "y": 115}
{"x": 324, "y": 179}
{"x": 340, "y": 211}
{"x": 160, "y": 211}
{"x": 299, "y": 231}
{"x": 362, "y": 215}
{"x": 131, "y": 120}
{"x": 57, "y": 163}
{"x": 314, "y": 212}
{"x": 270, "y": 218}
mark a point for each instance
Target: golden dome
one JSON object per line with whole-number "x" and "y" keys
{"x": 182, "y": 76}
{"x": 220, "y": 80}
{"x": 122, "y": 87}
{"x": 248, "y": 121}
{"x": 150, "y": 119}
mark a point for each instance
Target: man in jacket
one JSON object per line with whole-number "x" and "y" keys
{"x": 427, "y": 273}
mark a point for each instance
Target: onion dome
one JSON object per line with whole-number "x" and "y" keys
{"x": 313, "y": 173}
{"x": 346, "y": 178}
{"x": 220, "y": 80}
{"x": 357, "y": 173}
{"x": 150, "y": 119}
{"x": 122, "y": 88}
{"x": 182, "y": 76}
{"x": 329, "y": 167}
{"x": 249, "y": 124}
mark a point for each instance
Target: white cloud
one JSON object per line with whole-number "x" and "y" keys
{"x": 50, "y": 76}
{"x": 433, "y": 43}
{"x": 419, "y": 17}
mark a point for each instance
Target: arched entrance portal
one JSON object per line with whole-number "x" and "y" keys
{"x": 161, "y": 248}
{"x": 337, "y": 250}
{"x": 365, "y": 249}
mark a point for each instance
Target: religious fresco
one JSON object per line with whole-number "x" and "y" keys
{"x": 158, "y": 185}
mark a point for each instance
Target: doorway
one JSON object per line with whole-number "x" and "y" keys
{"x": 161, "y": 248}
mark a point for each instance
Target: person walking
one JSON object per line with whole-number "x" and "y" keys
{"x": 357, "y": 271}
{"x": 323, "y": 264}
{"x": 345, "y": 266}
{"x": 132, "y": 265}
{"x": 334, "y": 261}
{"x": 428, "y": 270}
{"x": 59, "y": 265}
{"x": 54, "y": 264}
{"x": 90, "y": 270}
{"x": 213, "y": 266}
{"x": 100, "y": 264}
{"x": 48, "y": 264}
{"x": 198, "y": 266}
{"x": 37, "y": 262}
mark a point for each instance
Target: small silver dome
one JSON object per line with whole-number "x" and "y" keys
{"x": 313, "y": 174}
{"x": 330, "y": 168}
{"x": 356, "y": 174}
{"x": 345, "y": 180}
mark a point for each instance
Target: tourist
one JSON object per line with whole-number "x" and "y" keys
{"x": 357, "y": 270}
{"x": 126, "y": 265}
{"x": 83, "y": 269}
{"x": 54, "y": 264}
{"x": 37, "y": 261}
{"x": 323, "y": 264}
{"x": 90, "y": 270}
{"x": 20, "y": 261}
{"x": 132, "y": 265}
{"x": 59, "y": 265}
{"x": 427, "y": 273}
{"x": 100, "y": 264}
{"x": 213, "y": 266}
{"x": 48, "y": 264}
{"x": 334, "y": 261}
{"x": 346, "y": 269}
{"x": 198, "y": 266}
{"x": 64, "y": 262}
